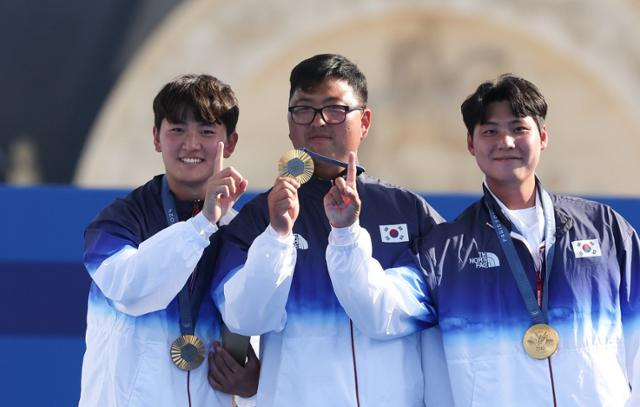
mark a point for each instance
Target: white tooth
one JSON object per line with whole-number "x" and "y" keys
{"x": 191, "y": 160}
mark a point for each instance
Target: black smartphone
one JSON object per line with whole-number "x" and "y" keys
{"x": 237, "y": 345}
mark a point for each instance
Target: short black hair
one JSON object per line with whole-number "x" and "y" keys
{"x": 523, "y": 96}
{"x": 208, "y": 98}
{"x": 315, "y": 70}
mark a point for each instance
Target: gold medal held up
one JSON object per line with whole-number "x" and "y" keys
{"x": 296, "y": 164}
{"x": 187, "y": 352}
{"x": 540, "y": 341}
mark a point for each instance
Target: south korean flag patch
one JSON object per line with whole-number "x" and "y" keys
{"x": 586, "y": 248}
{"x": 394, "y": 233}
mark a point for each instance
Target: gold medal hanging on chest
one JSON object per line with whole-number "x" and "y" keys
{"x": 540, "y": 341}
{"x": 187, "y": 352}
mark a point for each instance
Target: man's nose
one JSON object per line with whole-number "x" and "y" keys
{"x": 192, "y": 140}
{"x": 318, "y": 120}
{"x": 506, "y": 139}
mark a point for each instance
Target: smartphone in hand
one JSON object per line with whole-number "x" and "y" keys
{"x": 237, "y": 345}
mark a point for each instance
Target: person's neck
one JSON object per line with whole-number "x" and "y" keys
{"x": 185, "y": 192}
{"x": 326, "y": 171}
{"x": 515, "y": 196}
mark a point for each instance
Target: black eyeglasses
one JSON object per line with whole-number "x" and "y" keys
{"x": 332, "y": 114}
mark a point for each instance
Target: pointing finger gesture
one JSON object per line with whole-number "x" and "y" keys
{"x": 224, "y": 187}
{"x": 342, "y": 202}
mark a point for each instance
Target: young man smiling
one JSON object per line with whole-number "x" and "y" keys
{"x": 278, "y": 262}
{"x": 150, "y": 256}
{"x": 537, "y": 294}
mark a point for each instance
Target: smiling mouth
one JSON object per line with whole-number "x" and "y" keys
{"x": 505, "y": 158}
{"x": 319, "y": 138}
{"x": 190, "y": 160}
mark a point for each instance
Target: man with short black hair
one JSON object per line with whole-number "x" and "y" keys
{"x": 278, "y": 256}
{"x": 537, "y": 294}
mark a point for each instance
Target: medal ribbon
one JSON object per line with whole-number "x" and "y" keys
{"x": 359, "y": 168}
{"x": 538, "y": 313}
{"x": 187, "y": 304}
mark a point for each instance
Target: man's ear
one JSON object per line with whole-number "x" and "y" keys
{"x": 544, "y": 137}
{"x": 365, "y": 123}
{"x": 156, "y": 139}
{"x": 230, "y": 144}
{"x": 470, "y": 144}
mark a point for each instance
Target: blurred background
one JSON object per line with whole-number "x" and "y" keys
{"x": 78, "y": 78}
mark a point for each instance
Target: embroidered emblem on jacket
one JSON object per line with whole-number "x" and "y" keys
{"x": 586, "y": 248}
{"x": 300, "y": 242}
{"x": 485, "y": 260}
{"x": 394, "y": 233}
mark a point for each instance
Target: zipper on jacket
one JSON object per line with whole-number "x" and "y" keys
{"x": 355, "y": 369}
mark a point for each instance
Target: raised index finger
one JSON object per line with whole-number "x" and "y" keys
{"x": 217, "y": 161}
{"x": 351, "y": 170}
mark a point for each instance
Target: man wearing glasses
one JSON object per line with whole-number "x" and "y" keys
{"x": 277, "y": 257}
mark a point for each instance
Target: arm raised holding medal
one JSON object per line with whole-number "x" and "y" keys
{"x": 276, "y": 281}
{"x": 283, "y": 205}
{"x": 268, "y": 268}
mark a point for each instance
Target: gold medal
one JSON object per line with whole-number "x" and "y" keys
{"x": 296, "y": 164}
{"x": 187, "y": 352}
{"x": 540, "y": 341}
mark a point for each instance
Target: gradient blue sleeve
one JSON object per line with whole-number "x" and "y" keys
{"x": 383, "y": 303}
{"x": 630, "y": 303}
{"x": 139, "y": 279}
{"x": 253, "y": 294}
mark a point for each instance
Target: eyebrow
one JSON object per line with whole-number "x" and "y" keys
{"x": 324, "y": 101}
{"x": 199, "y": 123}
{"x": 494, "y": 123}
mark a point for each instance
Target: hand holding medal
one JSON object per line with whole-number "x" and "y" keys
{"x": 294, "y": 168}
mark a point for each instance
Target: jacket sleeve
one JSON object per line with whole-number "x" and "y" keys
{"x": 382, "y": 303}
{"x": 253, "y": 295}
{"x": 630, "y": 303}
{"x": 139, "y": 279}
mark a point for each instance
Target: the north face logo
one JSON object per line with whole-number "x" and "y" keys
{"x": 300, "y": 242}
{"x": 485, "y": 260}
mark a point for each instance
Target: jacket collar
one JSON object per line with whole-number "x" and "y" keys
{"x": 563, "y": 222}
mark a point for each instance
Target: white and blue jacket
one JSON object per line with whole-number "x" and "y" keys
{"x": 138, "y": 265}
{"x": 594, "y": 305}
{"x": 311, "y": 352}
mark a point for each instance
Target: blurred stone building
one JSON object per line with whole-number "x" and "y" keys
{"x": 422, "y": 58}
